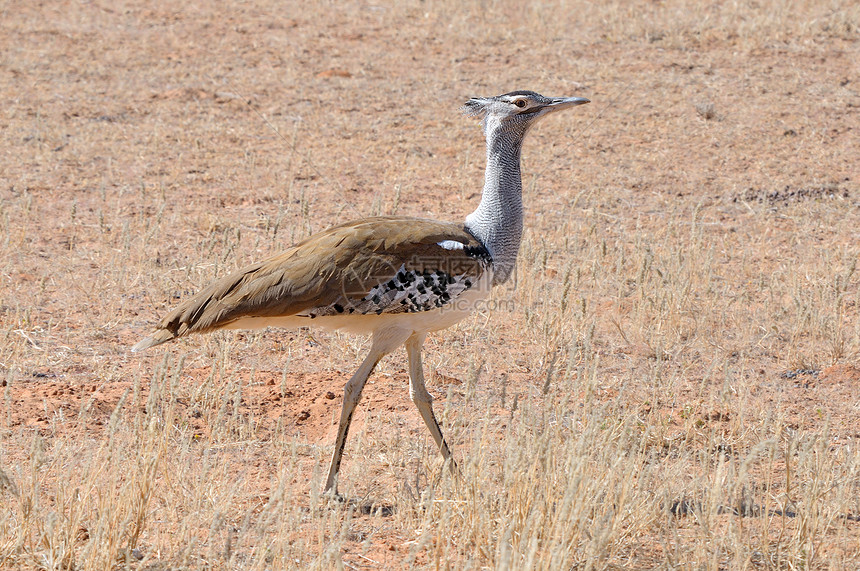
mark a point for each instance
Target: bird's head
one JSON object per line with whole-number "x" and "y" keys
{"x": 518, "y": 110}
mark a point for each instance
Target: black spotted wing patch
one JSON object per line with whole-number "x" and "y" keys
{"x": 431, "y": 279}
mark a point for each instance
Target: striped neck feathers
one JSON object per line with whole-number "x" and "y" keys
{"x": 498, "y": 221}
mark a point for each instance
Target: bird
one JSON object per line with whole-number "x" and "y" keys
{"x": 394, "y": 278}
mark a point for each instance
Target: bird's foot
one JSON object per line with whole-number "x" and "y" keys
{"x": 331, "y": 495}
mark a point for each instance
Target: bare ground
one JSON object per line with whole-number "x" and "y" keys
{"x": 684, "y": 321}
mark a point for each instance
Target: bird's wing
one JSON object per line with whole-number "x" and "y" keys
{"x": 376, "y": 265}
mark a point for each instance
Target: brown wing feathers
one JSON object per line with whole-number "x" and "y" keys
{"x": 340, "y": 263}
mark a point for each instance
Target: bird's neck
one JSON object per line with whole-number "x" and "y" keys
{"x": 498, "y": 220}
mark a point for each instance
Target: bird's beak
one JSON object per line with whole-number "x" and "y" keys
{"x": 558, "y": 103}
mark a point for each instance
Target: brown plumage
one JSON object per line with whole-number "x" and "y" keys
{"x": 338, "y": 266}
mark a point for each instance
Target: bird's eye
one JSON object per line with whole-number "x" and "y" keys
{"x": 520, "y": 103}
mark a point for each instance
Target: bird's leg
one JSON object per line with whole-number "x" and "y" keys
{"x": 351, "y": 396}
{"x": 385, "y": 340}
{"x": 420, "y": 396}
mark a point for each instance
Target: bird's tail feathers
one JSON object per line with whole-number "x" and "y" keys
{"x": 156, "y": 338}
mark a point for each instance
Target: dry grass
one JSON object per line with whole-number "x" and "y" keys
{"x": 672, "y": 383}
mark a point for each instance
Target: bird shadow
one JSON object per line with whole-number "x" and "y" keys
{"x": 364, "y": 506}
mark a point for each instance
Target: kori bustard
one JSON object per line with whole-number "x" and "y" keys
{"x": 393, "y": 277}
